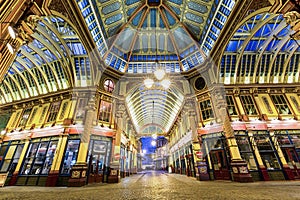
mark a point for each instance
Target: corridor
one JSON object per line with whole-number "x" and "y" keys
{"x": 151, "y": 185}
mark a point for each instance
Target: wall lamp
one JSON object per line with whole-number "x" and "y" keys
{"x": 9, "y": 46}
{"x": 13, "y": 32}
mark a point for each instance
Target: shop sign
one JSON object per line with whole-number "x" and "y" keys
{"x": 117, "y": 156}
{"x": 97, "y": 137}
{"x": 199, "y": 154}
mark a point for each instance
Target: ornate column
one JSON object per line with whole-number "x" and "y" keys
{"x": 240, "y": 172}
{"x": 79, "y": 170}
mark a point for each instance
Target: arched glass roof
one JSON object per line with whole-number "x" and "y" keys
{"x": 52, "y": 61}
{"x": 262, "y": 50}
{"x": 131, "y": 35}
{"x": 154, "y": 108}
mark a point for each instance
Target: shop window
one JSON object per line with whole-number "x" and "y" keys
{"x": 105, "y": 111}
{"x": 109, "y": 85}
{"x": 248, "y": 104}
{"x": 231, "y": 106}
{"x": 70, "y": 156}
{"x": 3, "y": 150}
{"x": 80, "y": 109}
{"x": 99, "y": 155}
{"x": 281, "y": 104}
{"x": 25, "y": 116}
{"x": 289, "y": 142}
{"x": 245, "y": 149}
{"x": 214, "y": 141}
{"x": 53, "y": 111}
{"x": 39, "y": 157}
{"x": 266, "y": 150}
{"x": 12, "y": 158}
{"x": 282, "y": 137}
{"x": 206, "y": 110}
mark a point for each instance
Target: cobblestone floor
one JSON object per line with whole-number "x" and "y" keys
{"x": 152, "y": 185}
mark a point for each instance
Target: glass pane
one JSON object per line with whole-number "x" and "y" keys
{"x": 29, "y": 158}
{"x": 70, "y": 156}
{"x": 49, "y": 157}
{"x": 249, "y": 158}
{"x": 270, "y": 160}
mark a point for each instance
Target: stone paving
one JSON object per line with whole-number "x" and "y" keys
{"x": 151, "y": 185}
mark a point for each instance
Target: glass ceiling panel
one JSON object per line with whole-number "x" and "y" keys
{"x": 200, "y": 20}
{"x": 260, "y": 52}
{"x": 35, "y": 58}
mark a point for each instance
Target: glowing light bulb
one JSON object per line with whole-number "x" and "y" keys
{"x": 10, "y": 48}
{"x": 12, "y": 32}
{"x": 148, "y": 82}
{"x": 165, "y": 83}
{"x": 153, "y": 143}
{"x": 159, "y": 74}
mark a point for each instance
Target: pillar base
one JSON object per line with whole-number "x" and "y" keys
{"x": 240, "y": 171}
{"x": 13, "y": 179}
{"x": 288, "y": 173}
{"x": 78, "y": 175}
{"x": 264, "y": 173}
{"x": 52, "y": 178}
{"x": 114, "y": 176}
{"x": 202, "y": 170}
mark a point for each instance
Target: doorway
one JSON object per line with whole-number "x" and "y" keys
{"x": 292, "y": 160}
{"x": 220, "y": 164}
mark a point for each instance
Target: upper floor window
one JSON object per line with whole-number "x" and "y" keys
{"x": 231, "y": 106}
{"x": 281, "y": 104}
{"x": 25, "y": 117}
{"x": 206, "y": 110}
{"x": 80, "y": 109}
{"x": 248, "y": 104}
{"x": 105, "y": 111}
{"x": 109, "y": 85}
{"x": 53, "y": 111}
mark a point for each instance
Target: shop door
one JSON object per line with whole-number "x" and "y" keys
{"x": 96, "y": 167}
{"x": 183, "y": 167}
{"x": 292, "y": 159}
{"x": 220, "y": 165}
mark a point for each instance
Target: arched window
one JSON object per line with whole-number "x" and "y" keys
{"x": 109, "y": 85}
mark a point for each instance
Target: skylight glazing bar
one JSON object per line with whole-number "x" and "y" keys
{"x": 88, "y": 12}
{"x": 218, "y": 21}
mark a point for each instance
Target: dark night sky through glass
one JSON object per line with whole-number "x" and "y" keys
{"x": 146, "y": 145}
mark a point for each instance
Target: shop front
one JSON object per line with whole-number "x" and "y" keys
{"x": 38, "y": 161}
{"x": 289, "y": 141}
{"x": 216, "y": 155}
{"x": 98, "y": 158}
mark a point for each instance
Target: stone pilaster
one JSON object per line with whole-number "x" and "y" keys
{"x": 79, "y": 170}
{"x": 115, "y": 175}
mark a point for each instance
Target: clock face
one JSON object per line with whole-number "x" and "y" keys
{"x": 75, "y": 174}
{"x": 200, "y": 83}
